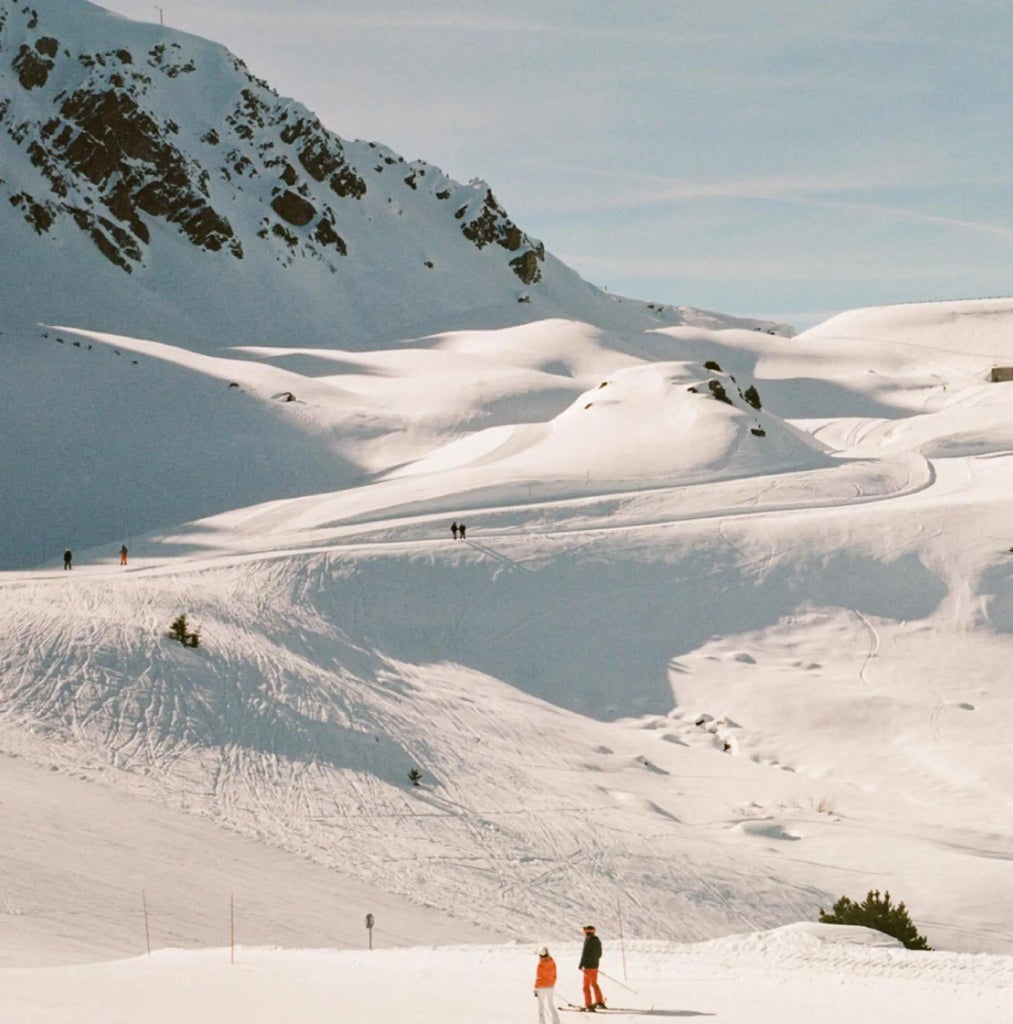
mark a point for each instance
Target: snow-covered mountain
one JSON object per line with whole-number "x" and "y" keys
{"x": 728, "y": 635}
{"x": 139, "y": 164}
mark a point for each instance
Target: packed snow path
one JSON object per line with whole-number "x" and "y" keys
{"x": 796, "y": 975}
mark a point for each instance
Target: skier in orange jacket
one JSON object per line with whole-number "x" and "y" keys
{"x": 545, "y": 986}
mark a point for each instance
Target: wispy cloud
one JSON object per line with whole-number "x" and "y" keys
{"x": 637, "y": 191}
{"x": 764, "y": 267}
{"x": 901, "y": 213}
{"x": 909, "y": 174}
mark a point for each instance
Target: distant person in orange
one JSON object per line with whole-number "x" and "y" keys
{"x": 590, "y": 957}
{"x": 123, "y": 555}
{"x": 545, "y": 987}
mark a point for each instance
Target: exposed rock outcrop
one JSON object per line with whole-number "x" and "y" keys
{"x": 492, "y": 225}
{"x": 34, "y": 64}
{"x": 291, "y": 207}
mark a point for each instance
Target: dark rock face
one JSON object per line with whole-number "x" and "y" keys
{"x": 106, "y": 130}
{"x": 291, "y": 206}
{"x": 492, "y": 225}
{"x": 37, "y": 215}
{"x": 528, "y": 267}
{"x": 718, "y": 391}
{"x": 99, "y": 145}
{"x": 326, "y": 235}
{"x": 33, "y": 65}
{"x": 106, "y": 138}
{"x": 321, "y": 158}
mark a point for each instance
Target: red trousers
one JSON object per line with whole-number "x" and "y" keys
{"x": 591, "y": 984}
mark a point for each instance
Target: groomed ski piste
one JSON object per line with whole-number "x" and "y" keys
{"x": 826, "y": 973}
{"x": 699, "y": 667}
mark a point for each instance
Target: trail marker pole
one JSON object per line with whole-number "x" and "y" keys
{"x": 147, "y": 931}
{"x": 622, "y": 943}
{"x": 369, "y": 928}
{"x": 232, "y": 927}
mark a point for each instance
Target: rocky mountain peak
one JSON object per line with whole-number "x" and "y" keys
{"x": 154, "y": 132}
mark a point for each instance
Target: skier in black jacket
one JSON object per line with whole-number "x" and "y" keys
{"x": 590, "y": 956}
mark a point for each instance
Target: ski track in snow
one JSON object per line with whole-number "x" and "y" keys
{"x": 203, "y": 747}
{"x": 645, "y": 689}
{"x": 560, "y": 516}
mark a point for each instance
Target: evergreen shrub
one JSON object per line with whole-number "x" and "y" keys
{"x": 877, "y": 912}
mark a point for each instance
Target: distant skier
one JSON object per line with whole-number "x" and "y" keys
{"x": 453, "y": 529}
{"x": 461, "y": 530}
{"x": 545, "y": 986}
{"x": 123, "y": 555}
{"x": 67, "y": 558}
{"x": 590, "y": 956}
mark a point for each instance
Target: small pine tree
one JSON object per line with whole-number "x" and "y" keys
{"x": 877, "y": 912}
{"x": 180, "y": 630}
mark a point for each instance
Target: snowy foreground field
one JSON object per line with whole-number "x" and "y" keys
{"x": 794, "y": 975}
{"x": 708, "y": 658}
{"x": 790, "y": 976}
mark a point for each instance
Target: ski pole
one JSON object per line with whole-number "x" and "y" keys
{"x": 569, "y": 1003}
{"x": 619, "y": 983}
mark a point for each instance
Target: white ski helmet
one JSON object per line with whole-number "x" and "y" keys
{"x": 543, "y": 951}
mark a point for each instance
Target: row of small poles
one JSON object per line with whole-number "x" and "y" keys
{"x": 232, "y": 926}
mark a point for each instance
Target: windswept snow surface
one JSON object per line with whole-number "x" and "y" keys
{"x": 705, "y": 664}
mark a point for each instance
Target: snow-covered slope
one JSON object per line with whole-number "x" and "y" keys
{"x": 107, "y": 860}
{"x": 728, "y": 636}
{"x": 713, "y": 677}
{"x": 129, "y": 436}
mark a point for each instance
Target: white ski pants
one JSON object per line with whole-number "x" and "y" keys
{"x": 547, "y": 998}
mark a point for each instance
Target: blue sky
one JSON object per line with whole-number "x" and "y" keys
{"x": 787, "y": 159}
